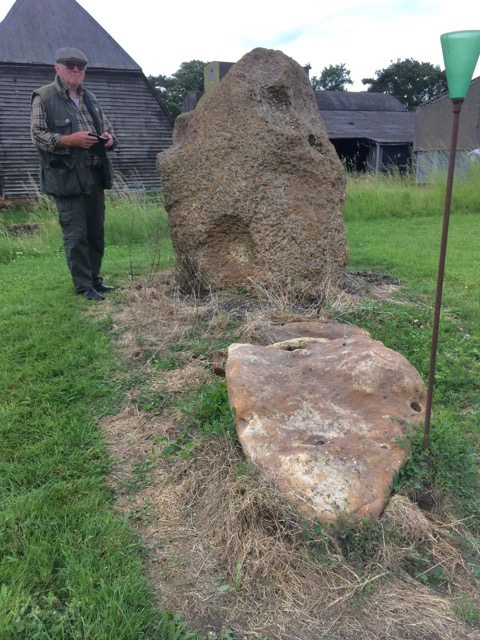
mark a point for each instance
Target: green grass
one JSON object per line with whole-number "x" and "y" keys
{"x": 70, "y": 567}
{"x": 408, "y": 248}
{"x": 136, "y": 235}
{"x": 415, "y": 261}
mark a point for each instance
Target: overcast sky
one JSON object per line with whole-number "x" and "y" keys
{"x": 366, "y": 35}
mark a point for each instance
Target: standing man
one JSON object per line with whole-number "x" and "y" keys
{"x": 71, "y": 134}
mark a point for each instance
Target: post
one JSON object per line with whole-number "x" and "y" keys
{"x": 456, "y": 108}
{"x": 461, "y": 50}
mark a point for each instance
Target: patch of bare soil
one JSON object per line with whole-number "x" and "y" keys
{"x": 371, "y": 284}
{"x": 223, "y": 550}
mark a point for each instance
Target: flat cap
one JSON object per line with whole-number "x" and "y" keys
{"x": 70, "y": 53}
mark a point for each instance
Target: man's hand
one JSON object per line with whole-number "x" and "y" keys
{"x": 78, "y": 139}
{"x": 109, "y": 138}
{"x": 83, "y": 140}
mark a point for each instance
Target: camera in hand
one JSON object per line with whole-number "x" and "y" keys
{"x": 98, "y": 147}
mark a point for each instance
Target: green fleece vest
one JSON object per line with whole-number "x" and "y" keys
{"x": 66, "y": 174}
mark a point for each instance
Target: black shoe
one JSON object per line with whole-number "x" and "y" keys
{"x": 91, "y": 294}
{"x": 103, "y": 288}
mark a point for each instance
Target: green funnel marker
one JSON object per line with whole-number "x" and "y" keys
{"x": 461, "y": 50}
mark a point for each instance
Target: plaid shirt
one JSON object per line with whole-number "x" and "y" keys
{"x": 44, "y": 139}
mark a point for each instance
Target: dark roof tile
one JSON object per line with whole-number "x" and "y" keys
{"x": 374, "y": 116}
{"x": 34, "y": 29}
{"x": 357, "y": 101}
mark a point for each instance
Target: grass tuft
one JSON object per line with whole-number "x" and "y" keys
{"x": 119, "y": 454}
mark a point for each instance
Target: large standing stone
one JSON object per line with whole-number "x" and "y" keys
{"x": 253, "y": 187}
{"x": 326, "y": 421}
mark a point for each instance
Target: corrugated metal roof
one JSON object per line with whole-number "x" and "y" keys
{"x": 379, "y": 126}
{"x": 357, "y": 101}
{"x": 446, "y": 97}
{"x": 364, "y": 114}
{"x": 434, "y": 122}
{"x": 34, "y": 29}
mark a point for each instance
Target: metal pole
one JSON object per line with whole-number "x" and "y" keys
{"x": 456, "y": 108}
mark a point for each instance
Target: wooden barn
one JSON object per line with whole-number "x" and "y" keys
{"x": 29, "y": 36}
{"x": 370, "y": 131}
{"x": 433, "y": 130}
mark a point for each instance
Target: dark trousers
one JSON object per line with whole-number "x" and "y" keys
{"x": 82, "y": 221}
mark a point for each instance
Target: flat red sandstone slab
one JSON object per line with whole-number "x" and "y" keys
{"x": 326, "y": 421}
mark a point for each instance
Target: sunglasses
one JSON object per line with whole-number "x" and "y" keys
{"x": 81, "y": 66}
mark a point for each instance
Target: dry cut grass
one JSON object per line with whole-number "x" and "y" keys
{"x": 224, "y": 550}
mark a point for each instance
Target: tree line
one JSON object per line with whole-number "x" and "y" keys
{"x": 410, "y": 81}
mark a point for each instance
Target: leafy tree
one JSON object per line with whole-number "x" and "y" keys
{"x": 333, "y": 78}
{"x": 412, "y": 82}
{"x": 173, "y": 89}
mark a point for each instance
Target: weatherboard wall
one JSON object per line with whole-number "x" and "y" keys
{"x": 141, "y": 121}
